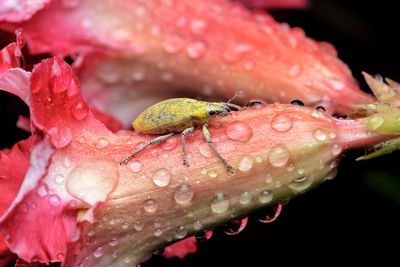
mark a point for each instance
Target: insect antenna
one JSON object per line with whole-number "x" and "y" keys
{"x": 229, "y": 104}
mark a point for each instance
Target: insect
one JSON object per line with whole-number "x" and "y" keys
{"x": 180, "y": 115}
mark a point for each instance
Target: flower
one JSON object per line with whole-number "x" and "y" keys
{"x": 90, "y": 210}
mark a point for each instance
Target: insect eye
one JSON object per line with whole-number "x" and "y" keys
{"x": 212, "y": 112}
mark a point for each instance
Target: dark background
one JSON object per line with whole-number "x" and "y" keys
{"x": 353, "y": 219}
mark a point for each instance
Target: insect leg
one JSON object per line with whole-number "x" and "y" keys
{"x": 207, "y": 136}
{"x": 156, "y": 140}
{"x": 184, "y": 134}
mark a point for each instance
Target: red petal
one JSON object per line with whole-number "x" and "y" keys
{"x": 9, "y": 57}
{"x": 181, "y": 248}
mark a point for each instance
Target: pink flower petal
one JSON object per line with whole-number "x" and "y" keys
{"x": 20, "y": 10}
{"x": 155, "y": 52}
{"x": 181, "y": 248}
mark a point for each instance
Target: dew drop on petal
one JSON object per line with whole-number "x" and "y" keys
{"x": 203, "y": 236}
{"x": 205, "y": 150}
{"x": 301, "y": 184}
{"x": 297, "y": 102}
{"x": 295, "y": 70}
{"x": 98, "y": 252}
{"x": 268, "y": 178}
{"x": 196, "y": 50}
{"x": 282, "y": 123}
{"x": 197, "y": 225}
{"x": 54, "y": 200}
{"x": 212, "y": 173}
{"x": 236, "y": 226}
{"x": 265, "y": 196}
{"x": 158, "y": 232}
{"x": 169, "y": 144}
{"x": 246, "y": 163}
{"x": 271, "y": 214}
{"x": 56, "y": 71}
{"x": 135, "y": 166}
{"x": 102, "y": 143}
{"x": 336, "y": 149}
{"x": 138, "y": 226}
{"x": 113, "y": 242}
{"x": 332, "y": 135}
{"x": 162, "y": 177}
{"x": 336, "y": 84}
{"x": 183, "y": 194}
{"x": 220, "y": 203}
{"x": 79, "y": 110}
{"x": 180, "y": 232}
{"x": 150, "y": 206}
{"x": 42, "y": 190}
{"x": 319, "y": 135}
{"x": 93, "y": 181}
{"x": 239, "y": 131}
{"x": 173, "y": 44}
{"x": 245, "y": 198}
{"x": 60, "y": 137}
{"x": 278, "y": 156}
{"x": 198, "y": 26}
{"x": 332, "y": 174}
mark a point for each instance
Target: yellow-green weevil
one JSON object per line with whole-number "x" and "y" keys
{"x": 180, "y": 115}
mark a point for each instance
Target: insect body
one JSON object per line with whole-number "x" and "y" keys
{"x": 180, "y": 115}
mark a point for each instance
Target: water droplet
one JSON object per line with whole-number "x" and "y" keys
{"x": 113, "y": 242}
{"x": 332, "y": 135}
{"x": 198, "y": 26}
{"x": 236, "y": 226}
{"x": 98, "y": 252}
{"x": 203, "y": 171}
{"x": 42, "y": 190}
{"x": 138, "y": 226}
{"x": 246, "y": 163}
{"x": 220, "y": 203}
{"x": 196, "y": 50}
{"x": 239, "y": 131}
{"x": 257, "y": 103}
{"x": 319, "y": 135}
{"x": 336, "y": 84}
{"x": 158, "y": 232}
{"x": 300, "y": 170}
{"x": 150, "y": 206}
{"x": 265, "y": 196}
{"x": 290, "y": 167}
{"x": 212, "y": 174}
{"x": 205, "y": 150}
{"x": 173, "y": 44}
{"x": 301, "y": 184}
{"x": 375, "y": 122}
{"x": 59, "y": 179}
{"x": 235, "y": 52}
{"x": 295, "y": 70}
{"x": 135, "y": 166}
{"x": 162, "y": 177}
{"x": 332, "y": 174}
{"x": 245, "y": 198}
{"x": 197, "y": 225}
{"x": 79, "y": 110}
{"x": 203, "y": 236}
{"x": 180, "y": 232}
{"x": 60, "y": 137}
{"x": 271, "y": 213}
{"x": 248, "y": 66}
{"x": 125, "y": 225}
{"x": 102, "y": 143}
{"x": 54, "y": 200}
{"x": 183, "y": 195}
{"x": 169, "y": 144}
{"x": 268, "y": 178}
{"x": 336, "y": 149}
{"x": 259, "y": 159}
{"x": 93, "y": 181}
{"x": 320, "y": 109}
{"x": 297, "y": 102}
{"x": 278, "y": 156}
{"x": 282, "y": 123}
{"x": 138, "y": 73}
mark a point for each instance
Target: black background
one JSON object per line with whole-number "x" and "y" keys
{"x": 353, "y": 219}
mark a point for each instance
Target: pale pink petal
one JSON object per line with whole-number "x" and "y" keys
{"x": 181, "y": 248}
{"x": 20, "y": 10}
